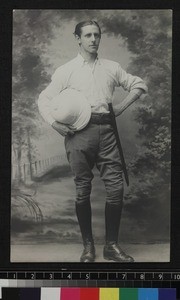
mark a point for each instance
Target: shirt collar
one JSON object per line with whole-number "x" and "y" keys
{"x": 82, "y": 61}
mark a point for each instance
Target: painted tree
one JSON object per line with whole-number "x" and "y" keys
{"x": 29, "y": 75}
{"x": 147, "y": 35}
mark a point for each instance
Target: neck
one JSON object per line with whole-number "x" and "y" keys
{"x": 89, "y": 57}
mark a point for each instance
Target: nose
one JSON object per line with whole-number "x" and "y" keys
{"x": 93, "y": 38}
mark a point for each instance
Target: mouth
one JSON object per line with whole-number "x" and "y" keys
{"x": 94, "y": 47}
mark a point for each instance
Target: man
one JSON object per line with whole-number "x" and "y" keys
{"x": 96, "y": 144}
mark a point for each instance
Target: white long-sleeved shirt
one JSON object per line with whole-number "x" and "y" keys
{"x": 96, "y": 82}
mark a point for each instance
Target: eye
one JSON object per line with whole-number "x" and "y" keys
{"x": 96, "y": 35}
{"x": 88, "y": 35}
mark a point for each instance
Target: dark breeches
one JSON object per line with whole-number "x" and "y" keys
{"x": 95, "y": 145}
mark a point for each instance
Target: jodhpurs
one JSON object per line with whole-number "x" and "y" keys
{"x": 95, "y": 145}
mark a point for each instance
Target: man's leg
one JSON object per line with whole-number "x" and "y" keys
{"x": 110, "y": 168}
{"x": 81, "y": 149}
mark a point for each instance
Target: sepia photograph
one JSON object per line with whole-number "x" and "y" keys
{"x": 91, "y": 135}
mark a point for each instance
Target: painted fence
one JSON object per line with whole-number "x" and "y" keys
{"x": 37, "y": 168}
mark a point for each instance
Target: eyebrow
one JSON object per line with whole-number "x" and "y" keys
{"x": 90, "y": 33}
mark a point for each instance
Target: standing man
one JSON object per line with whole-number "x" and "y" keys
{"x": 96, "y": 144}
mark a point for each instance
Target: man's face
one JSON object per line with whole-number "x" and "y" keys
{"x": 89, "y": 39}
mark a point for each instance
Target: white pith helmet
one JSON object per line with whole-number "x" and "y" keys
{"x": 71, "y": 107}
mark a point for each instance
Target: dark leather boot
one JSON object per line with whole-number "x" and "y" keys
{"x": 83, "y": 211}
{"x": 88, "y": 254}
{"x": 112, "y": 251}
{"x": 112, "y": 220}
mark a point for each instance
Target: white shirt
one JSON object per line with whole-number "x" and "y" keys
{"x": 96, "y": 82}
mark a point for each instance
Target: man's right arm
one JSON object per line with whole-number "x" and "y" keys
{"x": 58, "y": 83}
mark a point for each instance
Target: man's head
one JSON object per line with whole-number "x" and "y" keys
{"x": 88, "y": 35}
{"x": 79, "y": 26}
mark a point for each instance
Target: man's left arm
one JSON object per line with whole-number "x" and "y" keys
{"x": 130, "y": 98}
{"x": 133, "y": 84}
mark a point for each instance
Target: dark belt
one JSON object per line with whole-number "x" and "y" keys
{"x": 100, "y": 118}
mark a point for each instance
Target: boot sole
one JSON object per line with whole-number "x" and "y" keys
{"x": 121, "y": 261}
{"x": 109, "y": 258}
{"x": 90, "y": 260}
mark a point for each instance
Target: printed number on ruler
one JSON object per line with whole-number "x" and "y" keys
{"x": 176, "y": 276}
{"x": 87, "y": 276}
{"x": 122, "y": 276}
{"x": 69, "y": 276}
{"x": 140, "y": 276}
{"x": 49, "y": 276}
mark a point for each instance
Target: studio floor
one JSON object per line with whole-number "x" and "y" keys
{"x": 71, "y": 252}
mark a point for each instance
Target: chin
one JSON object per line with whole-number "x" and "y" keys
{"x": 93, "y": 51}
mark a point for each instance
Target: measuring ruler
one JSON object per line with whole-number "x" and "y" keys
{"x": 96, "y": 279}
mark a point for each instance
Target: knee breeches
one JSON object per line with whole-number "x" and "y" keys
{"x": 95, "y": 145}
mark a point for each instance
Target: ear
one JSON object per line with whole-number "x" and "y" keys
{"x": 78, "y": 39}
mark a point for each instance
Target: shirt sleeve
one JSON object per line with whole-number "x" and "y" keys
{"x": 58, "y": 83}
{"x": 128, "y": 81}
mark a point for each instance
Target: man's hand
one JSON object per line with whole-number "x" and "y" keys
{"x": 62, "y": 129}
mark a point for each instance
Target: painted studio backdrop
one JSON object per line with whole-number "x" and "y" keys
{"x": 44, "y": 227}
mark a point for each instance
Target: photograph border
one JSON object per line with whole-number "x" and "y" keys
{"x": 5, "y": 148}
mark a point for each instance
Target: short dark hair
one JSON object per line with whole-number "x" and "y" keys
{"x": 78, "y": 27}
